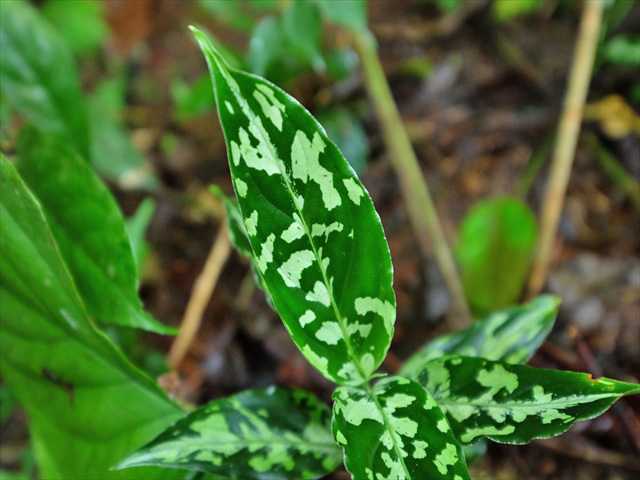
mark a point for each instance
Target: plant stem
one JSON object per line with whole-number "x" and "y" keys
{"x": 568, "y": 131}
{"x": 200, "y": 296}
{"x": 420, "y": 206}
{"x": 616, "y": 172}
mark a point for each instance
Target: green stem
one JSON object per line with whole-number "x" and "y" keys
{"x": 568, "y": 131}
{"x": 616, "y": 173}
{"x": 419, "y": 204}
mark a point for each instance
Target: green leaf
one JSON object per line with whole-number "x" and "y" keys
{"x": 79, "y": 22}
{"x": 507, "y": 9}
{"x": 271, "y": 433}
{"x": 511, "y": 335}
{"x": 87, "y": 405}
{"x": 136, "y": 227}
{"x": 89, "y": 228}
{"x": 302, "y": 29}
{"x": 346, "y": 131}
{"x": 317, "y": 239}
{"x": 193, "y": 99}
{"x": 497, "y": 239}
{"x": 38, "y": 75}
{"x": 349, "y": 13}
{"x": 515, "y": 403}
{"x": 265, "y": 45}
{"x": 623, "y": 50}
{"x": 396, "y": 431}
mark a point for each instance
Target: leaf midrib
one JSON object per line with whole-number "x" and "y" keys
{"x": 514, "y": 406}
{"x": 387, "y": 425}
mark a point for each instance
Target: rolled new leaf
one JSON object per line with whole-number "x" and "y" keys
{"x": 511, "y": 335}
{"x": 395, "y": 430}
{"x": 274, "y": 433}
{"x": 316, "y": 237}
{"x": 515, "y": 403}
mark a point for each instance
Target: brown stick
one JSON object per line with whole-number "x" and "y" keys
{"x": 200, "y": 296}
{"x": 568, "y": 131}
{"x": 421, "y": 209}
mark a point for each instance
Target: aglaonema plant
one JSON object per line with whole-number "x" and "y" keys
{"x": 319, "y": 251}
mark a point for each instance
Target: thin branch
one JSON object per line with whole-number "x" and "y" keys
{"x": 421, "y": 209}
{"x": 200, "y": 296}
{"x": 568, "y": 131}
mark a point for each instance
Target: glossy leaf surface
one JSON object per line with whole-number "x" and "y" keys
{"x": 87, "y": 405}
{"x": 511, "y": 335}
{"x": 271, "y": 433}
{"x": 515, "y": 403}
{"x": 395, "y": 430}
{"x": 317, "y": 239}
{"x": 89, "y": 228}
{"x": 38, "y": 75}
{"x": 494, "y": 251}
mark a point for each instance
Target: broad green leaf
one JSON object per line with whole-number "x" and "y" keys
{"x": 515, "y": 403}
{"x": 497, "y": 239}
{"x": 395, "y": 430}
{"x": 271, "y": 433}
{"x": 511, "y": 335}
{"x": 80, "y": 23}
{"x": 317, "y": 239}
{"x": 346, "y": 131}
{"x": 89, "y": 228}
{"x": 38, "y": 76}
{"x": 349, "y": 13}
{"x": 302, "y": 28}
{"x": 87, "y": 405}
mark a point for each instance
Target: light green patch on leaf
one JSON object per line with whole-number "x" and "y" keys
{"x": 511, "y": 335}
{"x": 89, "y": 229}
{"x": 317, "y": 249}
{"x": 396, "y": 430}
{"x": 515, "y": 403}
{"x": 67, "y": 375}
{"x": 272, "y": 433}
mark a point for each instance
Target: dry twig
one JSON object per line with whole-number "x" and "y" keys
{"x": 422, "y": 211}
{"x": 568, "y": 131}
{"x": 200, "y": 296}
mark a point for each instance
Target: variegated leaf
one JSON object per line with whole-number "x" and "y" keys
{"x": 316, "y": 237}
{"x": 515, "y": 403}
{"x": 274, "y": 433}
{"x": 396, "y": 431}
{"x": 511, "y": 335}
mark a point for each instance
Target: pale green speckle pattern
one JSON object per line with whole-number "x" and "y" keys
{"x": 514, "y": 403}
{"x": 318, "y": 243}
{"x": 389, "y": 431}
{"x": 258, "y": 434}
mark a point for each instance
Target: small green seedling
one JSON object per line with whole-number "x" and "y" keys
{"x": 319, "y": 251}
